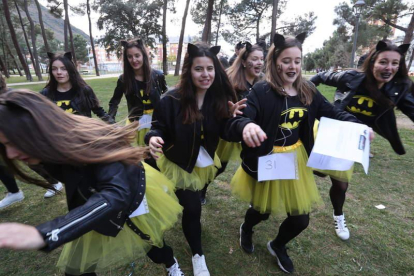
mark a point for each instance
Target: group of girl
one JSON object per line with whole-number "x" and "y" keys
{"x": 119, "y": 207}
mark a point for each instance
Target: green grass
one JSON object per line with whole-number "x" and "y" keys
{"x": 381, "y": 241}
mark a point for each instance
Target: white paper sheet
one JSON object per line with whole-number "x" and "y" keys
{"x": 340, "y": 140}
{"x": 203, "y": 159}
{"x": 142, "y": 208}
{"x": 278, "y": 166}
{"x": 145, "y": 121}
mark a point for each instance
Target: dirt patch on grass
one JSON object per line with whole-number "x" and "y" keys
{"x": 404, "y": 122}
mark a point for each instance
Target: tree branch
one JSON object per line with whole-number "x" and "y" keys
{"x": 386, "y": 21}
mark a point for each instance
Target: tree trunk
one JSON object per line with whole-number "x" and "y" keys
{"x": 88, "y": 10}
{"x": 72, "y": 47}
{"x": 65, "y": 27}
{"x": 258, "y": 29}
{"x": 25, "y": 37}
{"x": 219, "y": 20}
{"x": 180, "y": 42}
{"x": 164, "y": 38}
{"x": 274, "y": 18}
{"x": 4, "y": 67}
{"x": 14, "y": 60}
{"x": 36, "y": 65}
{"x": 15, "y": 42}
{"x": 39, "y": 11}
{"x": 206, "y": 36}
{"x": 410, "y": 30}
{"x": 410, "y": 61}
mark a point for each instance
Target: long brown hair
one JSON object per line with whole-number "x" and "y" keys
{"x": 128, "y": 76}
{"x": 44, "y": 131}
{"x": 237, "y": 72}
{"x": 370, "y": 83}
{"x": 221, "y": 88}
{"x": 304, "y": 88}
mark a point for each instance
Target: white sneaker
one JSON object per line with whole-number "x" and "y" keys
{"x": 175, "y": 270}
{"x": 49, "y": 193}
{"x": 341, "y": 229}
{"x": 200, "y": 266}
{"x": 11, "y": 198}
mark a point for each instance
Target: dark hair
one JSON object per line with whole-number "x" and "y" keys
{"x": 3, "y": 85}
{"x": 305, "y": 89}
{"x": 370, "y": 82}
{"x": 41, "y": 129}
{"x": 239, "y": 46}
{"x": 78, "y": 84}
{"x": 221, "y": 87}
{"x": 237, "y": 73}
{"x": 128, "y": 76}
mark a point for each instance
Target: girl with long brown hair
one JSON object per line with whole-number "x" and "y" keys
{"x": 370, "y": 94}
{"x": 142, "y": 86}
{"x": 278, "y": 119}
{"x": 118, "y": 206}
{"x": 187, "y": 124}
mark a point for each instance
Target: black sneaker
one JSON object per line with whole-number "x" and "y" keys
{"x": 283, "y": 260}
{"x": 203, "y": 194}
{"x": 246, "y": 242}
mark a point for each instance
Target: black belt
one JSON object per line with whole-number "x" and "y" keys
{"x": 137, "y": 231}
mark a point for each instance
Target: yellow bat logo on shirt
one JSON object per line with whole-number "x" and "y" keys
{"x": 147, "y": 102}
{"x": 363, "y": 105}
{"x": 293, "y": 117}
{"x": 65, "y": 105}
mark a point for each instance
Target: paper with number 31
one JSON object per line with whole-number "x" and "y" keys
{"x": 278, "y": 166}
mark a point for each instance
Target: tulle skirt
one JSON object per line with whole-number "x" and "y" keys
{"x": 194, "y": 181}
{"x": 228, "y": 151}
{"x": 94, "y": 252}
{"x": 294, "y": 197}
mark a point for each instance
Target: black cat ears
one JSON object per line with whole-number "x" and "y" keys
{"x": 193, "y": 50}
{"x": 139, "y": 41}
{"x": 279, "y": 40}
{"x": 67, "y": 55}
{"x": 382, "y": 45}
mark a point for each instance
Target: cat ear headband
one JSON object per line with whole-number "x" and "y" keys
{"x": 279, "y": 40}
{"x": 193, "y": 50}
{"x": 67, "y": 55}
{"x": 382, "y": 45}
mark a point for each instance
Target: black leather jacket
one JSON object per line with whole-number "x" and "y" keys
{"x": 84, "y": 109}
{"x": 134, "y": 101}
{"x": 347, "y": 83}
{"x": 264, "y": 107}
{"x": 100, "y": 197}
{"x": 182, "y": 141}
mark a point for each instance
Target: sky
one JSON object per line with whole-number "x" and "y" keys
{"x": 324, "y": 9}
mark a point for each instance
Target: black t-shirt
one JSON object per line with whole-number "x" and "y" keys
{"x": 363, "y": 106}
{"x": 63, "y": 100}
{"x": 140, "y": 88}
{"x": 292, "y": 116}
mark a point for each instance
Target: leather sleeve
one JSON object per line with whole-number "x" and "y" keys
{"x": 113, "y": 195}
{"x": 406, "y": 104}
{"x": 116, "y": 99}
{"x": 330, "y": 78}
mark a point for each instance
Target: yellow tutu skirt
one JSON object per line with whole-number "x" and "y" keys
{"x": 194, "y": 181}
{"x": 227, "y": 151}
{"x": 94, "y": 252}
{"x": 294, "y": 197}
{"x": 344, "y": 176}
{"x": 139, "y": 140}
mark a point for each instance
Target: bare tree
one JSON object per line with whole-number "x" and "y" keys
{"x": 14, "y": 39}
{"x": 42, "y": 27}
{"x": 164, "y": 38}
{"x": 66, "y": 6}
{"x": 95, "y": 62}
{"x": 274, "y": 18}
{"x": 206, "y": 36}
{"x": 36, "y": 64}
{"x": 180, "y": 42}
{"x": 219, "y": 20}
{"x": 3, "y": 66}
{"x": 13, "y": 59}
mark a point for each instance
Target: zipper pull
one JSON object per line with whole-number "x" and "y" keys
{"x": 54, "y": 235}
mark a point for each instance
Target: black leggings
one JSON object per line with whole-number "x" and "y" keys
{"x": 337, "y": 194}
{"x": 8, "y": 180}
{"x": 162, "y": 255}
{"x": 191, "y": 223}
{"x": 290, "y": 228}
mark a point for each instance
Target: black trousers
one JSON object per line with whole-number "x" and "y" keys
{"x": 8, "y": 180}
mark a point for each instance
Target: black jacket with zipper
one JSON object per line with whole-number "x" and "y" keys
{"x": 134, "y": 101}
{"x": 385, "y": 124}
{"x": 100, "y": 197}
{"x": 264, "y": 107}
{"x": 84, "y": 109}
{"x": 182, "y": 141}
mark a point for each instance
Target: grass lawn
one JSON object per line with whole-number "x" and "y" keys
{"x": 381, "y": 241}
